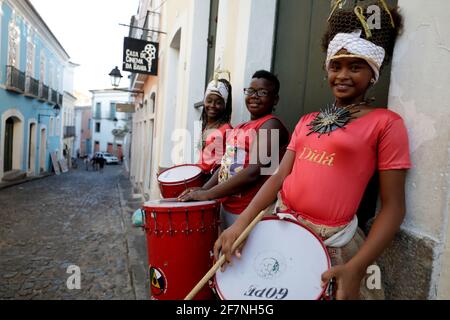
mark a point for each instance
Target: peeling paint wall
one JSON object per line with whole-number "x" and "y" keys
{"x": 420, "y": 93}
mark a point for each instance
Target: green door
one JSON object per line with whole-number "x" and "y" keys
{"x": 299, "y": 60}
{"x": 9, "y": 131}
{"x": 212, "y": 33}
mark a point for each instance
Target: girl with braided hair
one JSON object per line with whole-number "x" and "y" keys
{"x": 334, "y": 153}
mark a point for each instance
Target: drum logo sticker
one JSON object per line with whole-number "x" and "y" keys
{"x": 269, "y": 265}
{"x": 158, "y": 282}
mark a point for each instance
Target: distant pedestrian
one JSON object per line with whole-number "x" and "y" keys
{"x": 94, "y": 163}
{"x": 101, "y": 162}
{"x": 86, "y": 162}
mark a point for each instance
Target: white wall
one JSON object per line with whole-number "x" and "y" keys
{"x": 419, "y": 93}
{"x": 105, "y": 97}
{"x": 245, "y": 37}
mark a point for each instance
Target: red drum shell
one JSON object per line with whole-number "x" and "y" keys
{"x": 173, "y": 188}
{"x": 180, "y": 239}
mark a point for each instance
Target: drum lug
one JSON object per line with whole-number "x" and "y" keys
{"x": 156, "y": 231}
{"x": 170, "y": 231}
{"x": 202, "y": 229}
{"x": 187, "y": 230}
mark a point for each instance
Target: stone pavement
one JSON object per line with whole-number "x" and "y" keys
{"x": 81, "y": 218}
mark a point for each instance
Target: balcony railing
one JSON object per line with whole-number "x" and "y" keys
{"x": 15, "y": 79}
{"x": 43, "y": 93}
{"x": 31, "y": 87}
{"x": 69, "y": 131}
{"x": 54, "y": 96}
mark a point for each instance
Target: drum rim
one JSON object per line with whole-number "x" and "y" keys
{"x": 217, "y": 287}
{"x": 197, "y": 205}
{"x": 178, "y": 182}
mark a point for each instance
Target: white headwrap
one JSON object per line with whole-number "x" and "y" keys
{"x": 356, "y": 47}
{"x": 218, "y": 88}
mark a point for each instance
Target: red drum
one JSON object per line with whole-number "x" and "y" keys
{"x": 173, "y": 181}
{"x": 180, "y": 239}
{"x": 282, "y": 260}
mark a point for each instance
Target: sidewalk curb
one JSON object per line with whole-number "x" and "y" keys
{"x": 4, "y": 185}
{"x": 136, "y": 249}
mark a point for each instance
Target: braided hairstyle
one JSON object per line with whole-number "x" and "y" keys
{"x": 348, "y": 18}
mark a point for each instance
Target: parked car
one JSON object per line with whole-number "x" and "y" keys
{"x": 108, "y": 157}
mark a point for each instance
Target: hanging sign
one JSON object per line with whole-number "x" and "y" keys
{"x": 125, "y": 107}
{"x": 140, "y": 56}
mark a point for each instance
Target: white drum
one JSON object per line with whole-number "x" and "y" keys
{"x": 282, "y": 260}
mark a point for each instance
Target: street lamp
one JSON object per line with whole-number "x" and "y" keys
{"x": 116, "y": 76}
{"x": 56, "y": 110}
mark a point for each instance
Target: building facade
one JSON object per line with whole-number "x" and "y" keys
{"x": 32, "y": 64}
{"x": 68, "y": 114}
{"x": 109, "y": 127}
{"x": 284, "y": 36}
{"x": 83, "y": 128}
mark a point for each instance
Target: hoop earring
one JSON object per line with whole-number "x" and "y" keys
{"x": 372, "y": 81}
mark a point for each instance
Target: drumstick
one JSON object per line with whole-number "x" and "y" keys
{"x": 221, "y": 260}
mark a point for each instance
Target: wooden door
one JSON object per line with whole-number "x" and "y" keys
{"x": 9, "y": 138}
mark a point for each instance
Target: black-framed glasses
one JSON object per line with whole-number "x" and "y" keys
{"x": 259, "y": 92}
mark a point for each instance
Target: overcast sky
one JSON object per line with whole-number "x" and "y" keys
{"x": 90, "y": 33}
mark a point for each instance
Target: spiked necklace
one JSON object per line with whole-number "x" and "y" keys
{"x": 332, "y": 118}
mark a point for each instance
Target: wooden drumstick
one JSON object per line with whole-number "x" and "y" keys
{"x": 221, "y": 260}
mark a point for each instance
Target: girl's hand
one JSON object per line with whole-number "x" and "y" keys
{"x": 196, "y": 195}
{"x": 225, "y": 243}
{"x": 188, "y": 191}
{"x": 348, "y": 281}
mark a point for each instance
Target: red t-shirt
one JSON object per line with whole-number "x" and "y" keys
{"x": 237, "y": 157}
{"x": 214, "y": 148}
{"x": 331, "y": 173}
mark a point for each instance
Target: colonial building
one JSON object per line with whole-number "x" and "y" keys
{"x": 68, "y": 114}
{"x": 32, "y": 64}
{"x": 284, "y": 36}
{"x": 83, "y": 139}
{"x": 109, "y": 127}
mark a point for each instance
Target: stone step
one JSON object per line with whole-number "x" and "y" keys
{"x": 14, "y": 175}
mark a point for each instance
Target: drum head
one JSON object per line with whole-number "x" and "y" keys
{"x": 179, "y": 174}
{"x": 281, "y": 260}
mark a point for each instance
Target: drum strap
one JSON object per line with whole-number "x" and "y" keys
{"x": 344, "y": 236}
{"x": 339, "y": 239}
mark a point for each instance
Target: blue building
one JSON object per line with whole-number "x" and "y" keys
{"x": 32, "y": 64}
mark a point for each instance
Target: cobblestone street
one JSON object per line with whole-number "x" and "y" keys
{"x": 78, "y": 218}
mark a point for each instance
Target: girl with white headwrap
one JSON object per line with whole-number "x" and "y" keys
{"x": 334, "y": 153}
{"x": 216, "y": 116}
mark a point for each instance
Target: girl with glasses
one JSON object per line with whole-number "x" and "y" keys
{"x": 241, "y": 173}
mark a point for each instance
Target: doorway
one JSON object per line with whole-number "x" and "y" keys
{"x": 9, "y": 145}
{"x": 298, "y": 60}
{"x": 32, "y": 149}
{"x": 43, "y": 151}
